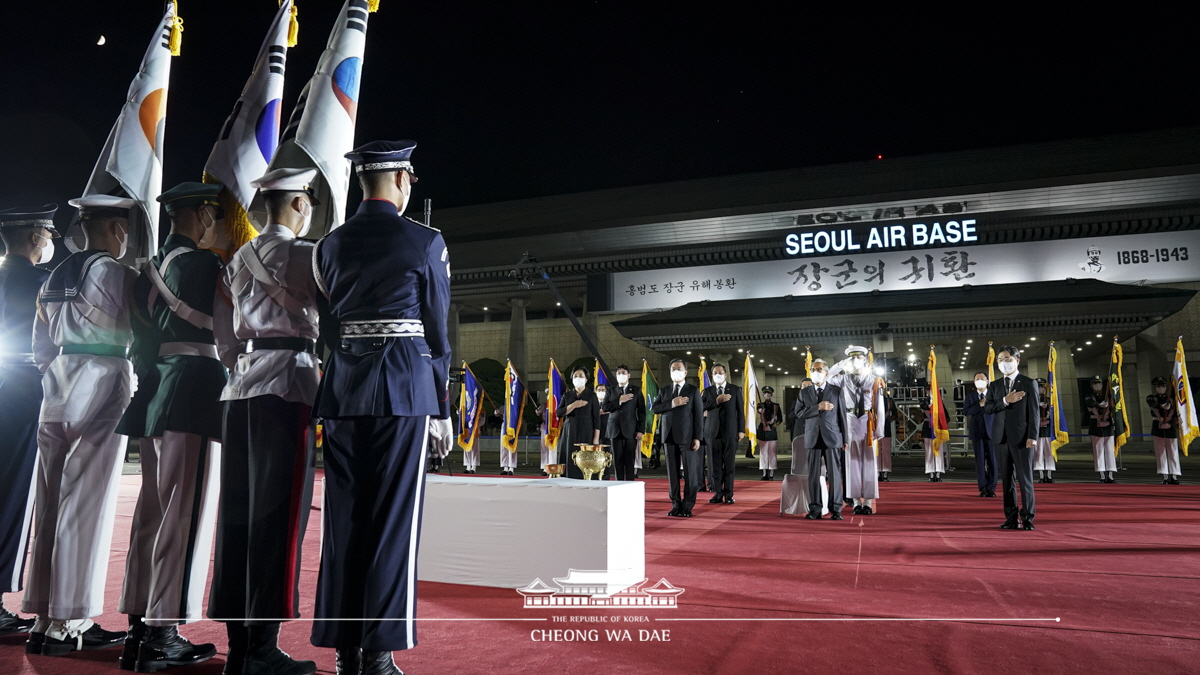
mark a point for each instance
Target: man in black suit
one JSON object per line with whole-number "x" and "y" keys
{"x": 979, "y": 430}
{"x": 824, "y": 417}
{"x": 1012, "y": 400}
{"x": 626, "y": 415}
{"x": 724, "y": 427}
{"x": 682, "y": 413}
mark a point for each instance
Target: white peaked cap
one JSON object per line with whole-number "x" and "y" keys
{"x": 102, "y": 201}
{"x": 290, "y": 180}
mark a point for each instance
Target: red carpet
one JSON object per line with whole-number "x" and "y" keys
{"x": 1119, "y": 564}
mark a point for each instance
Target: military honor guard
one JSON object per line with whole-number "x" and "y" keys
{"x": 935, "y": 462}
{"x": 824, "y": 413}
{"x": 1043, "y": 456}
{"x": 769, "y": 417}
{"x": 1012, "y": 401}
{"x": 385, "y": 296}
{"x": 28, "y": 235}
{"x": 682, "y": 417}
{"x": 1098, "y": 409}
{"x": 853, "y": 376}
{"x": 174, "y": 520}
{"x": 724, "y": 428}
{"x": 266, "y": 326}
{"x": 885, "y": 443}
{"x": 81, "y": 342}
{"x": 626, "y": 417}
{"x": 471, "y": 457}
{"x": 549, "y": 454}
{"x": 1164, "y": 427}
{"x": 979, "y": 432}
{"x": 579, "y": 410}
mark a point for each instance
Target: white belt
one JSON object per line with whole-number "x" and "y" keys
{"x": 387, "y": 328}
{"x": 187, "y": 349}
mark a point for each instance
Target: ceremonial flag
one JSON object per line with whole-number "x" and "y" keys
{"x": 703, "y": 376}
{"x": 470, "y": 409}
{"x": 991, "y": 363}
{"x": 750, "y": 387}
{"x": 877, "y": 416}
{"x": 321, "y": 129}
{"x": 1120, "y": 415}
{"x": 807, "y": 362}
{"x": 598, "y": 376}
{"x": 514, "y": 408}
{"x": 649, "y": 393}
{"x": 130, "y": 165}
{"x": 556, "y": 387}
{"x": 1185, "y": 406}
{"x": 250, "y": 135}
{"x": 937, "y": 408}
{"x": 1058, "y": 416}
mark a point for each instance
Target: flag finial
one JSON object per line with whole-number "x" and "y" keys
{"x": 176, "y": 39}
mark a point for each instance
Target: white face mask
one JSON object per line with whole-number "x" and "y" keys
{"x": 818, "y": 376}
{"x": 579, "y": 382}
{"x": 308, "y": 214}
{"x": 981, "y": 384}
{"x": 47, "y": 251}
{"x": 1008, "y": 367}
{"x": 719, "y": 379}
{"x": 678, "y": 375}
{"x": 622, "y": 379}
{"x": 600, "y": 395}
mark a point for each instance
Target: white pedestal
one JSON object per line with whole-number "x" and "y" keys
{"x": 506, "y": 532}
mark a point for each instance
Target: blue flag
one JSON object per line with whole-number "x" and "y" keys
{"x": 514, "y": 408}
{"x": 470, "y": 409}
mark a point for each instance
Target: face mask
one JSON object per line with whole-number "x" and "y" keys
{"x": 622, "y": 378}
{"x": 678, "y": 375}
{"x": 579, "y": 382}
{"x": 858, "y": 364}
{"x": 1008, "y": 367}
{"x": 1160, "y": 390}
{"x": 981, "y": 384}
{"x": 600, "y": 395}
{"x": 47, "y": 251}
{"x": 308, "y": 214}
{"x": 719, "y": 379}
{"x": 818, "y": 376}
{"x": 766, "y": 397}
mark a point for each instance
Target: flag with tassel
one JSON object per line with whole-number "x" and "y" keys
{"x": 1185, "y": 405}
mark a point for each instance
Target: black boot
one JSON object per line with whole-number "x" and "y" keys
{"x": 11, "y": 624}
{"x": 236, "y": 657}
{"x": 264, "y": 657}
{"x": 349, "y": 661}
{"x": 164, "y": 647}
{"x": 133, "y": 641}
{"x": 58, "y": 641}
{"x": 379, "y": 663}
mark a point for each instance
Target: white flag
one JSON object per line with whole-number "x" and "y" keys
{"x": 750, "y": 387}
{"x": 131, "y": 162}
{"x": 1185, "y": 406}
{"x": 321, "y": 129}
{"x": 250, "y": 135}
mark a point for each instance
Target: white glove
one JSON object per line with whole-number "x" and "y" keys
{"x": 441, "y": 434}
{"x": 134, "y": 382}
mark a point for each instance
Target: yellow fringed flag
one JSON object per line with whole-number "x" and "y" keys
{"x": 991, "y": 363}
{"x": 1116, "y": 389}
{"x": 937, "y": 411}
{"x": 175, "y": 39}
{"x": 807, "y": 361}
{"x": 649, "y": 394}
{"x": 1058, "y": 416}
{"x": 293, "y": 27}
{"x": 1185, "y": 405}
{"x": 750, "y": 400}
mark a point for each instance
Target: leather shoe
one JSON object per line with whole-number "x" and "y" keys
{"x": 349, "y": 661}
{"x": 812, "y": 516}
{"x": 34, "y": 644}
{"x": 673, "y": 513}
{"x": 11, "y": 624}
{"x": 264, "y": 657}
{"x": 1049, "y": 480}
{"x": 716, "y": 500}
{"x": 836, "y": 516}
{"x": 686, "y": 514}
{"x": 866, "y": 510}
{"x": 133, "y": 642}
{"x": 990, "y": 494}
{"x": 857, "y": 510}
{"x": 1174, "y": 481}
{"x": 730, "y": 500}
{"x": 94, "y": 637}
{"x": 379, "y": 663}
{"x": 1027, "y": 525}
{"x": 1009, "y": 525}
{"x": 163, "y": 647}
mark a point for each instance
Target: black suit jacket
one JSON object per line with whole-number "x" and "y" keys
{"x": 625, "y": 420}
{"x": 827, "y": 424}
{"x": 1014, "y": 424}
{"x": 724, "y": 420}
{"x": 979, "y": 427}
{"x": 681, "y": 425}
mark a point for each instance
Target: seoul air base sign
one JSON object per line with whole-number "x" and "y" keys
{"x": 827, "y": 260}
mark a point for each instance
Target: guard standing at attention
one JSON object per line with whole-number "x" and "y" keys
{"x": 27, "y": 235}
{"x": 1098, "y": 417}
{"x": 385, "y": 295}
{"x": 1164, "y": 427}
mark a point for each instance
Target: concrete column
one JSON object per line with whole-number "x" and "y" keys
{"x": 452, "y": 333}
{"x": 516, "y": 335}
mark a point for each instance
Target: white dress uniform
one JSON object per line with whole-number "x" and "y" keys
{"x": 1164, "y": 428}
{"x": 79, "y": 455}
{"x": 471, "y": 457}
{"x": 861, "y": 467}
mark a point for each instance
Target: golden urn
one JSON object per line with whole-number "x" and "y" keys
{"x": 555, "y": 470}
{"x": 591, "y": 459}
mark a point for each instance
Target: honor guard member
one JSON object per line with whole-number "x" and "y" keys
{"x": 81, "y": 342}
{"x": 935, "y": 462}
{"x": 266, "y": 328}
{"x": 854, "y": 376}
{"x": 172, "y": 533}
{"x": 385, "y": 284}
{"x": 1043, "y": 457}
{"x": 27, "y": 235}
{"x": 1098, "y": 408}
{"x": 769, "y": 416}
{"x": 1165, "y": 430}
{"x": 724, "y": 428}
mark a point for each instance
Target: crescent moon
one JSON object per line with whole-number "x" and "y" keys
{"x": 101, "y": 40}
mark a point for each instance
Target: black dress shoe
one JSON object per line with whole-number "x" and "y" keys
{"x": 1049, "y": 480}
{"x": 34, "y": 644}
{"x": 885, "y": 479}
{"x": 673, "y": 513}
{"x": 1027, "y": 525}
{"x": 237, "y": 635}
{"x": 866, "y": 510}
{"x": 716, "y": 500}
{"x": 1009, "y": 525}
{"x": 163, "y": 647}
{"x": 836, "y": 516}
{"x": 349, "y": 661}
{"x": 264, "y": 657}
{"x": 11, "y": 624}
{"x": 686, "y": 514}
{"x": 932, "y": 479}
{"x": 730, "y": 500}
{"x": 133, "y": 642}
{"x": 991, "y": 494}
{"x": 812, "y": 516}
{"x": 1174, "y": 481}
{"x": 379, "y": 663}
{"x": 857, "y": 510}
{"x": 94, "y": 637}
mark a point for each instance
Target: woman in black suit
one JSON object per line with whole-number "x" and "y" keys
{"x": 580, "y": 412}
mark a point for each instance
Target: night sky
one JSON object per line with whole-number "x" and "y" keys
{"x": 515, "y": 100}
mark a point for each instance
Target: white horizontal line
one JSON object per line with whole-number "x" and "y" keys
{"x": 1055, "y": 619}
{"x": 225, "y": 620}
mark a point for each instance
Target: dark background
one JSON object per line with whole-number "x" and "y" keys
{"x": 515, "y": 100}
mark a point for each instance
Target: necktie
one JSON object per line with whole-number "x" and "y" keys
{"x": 1008, "y": 384}
{"x": 676, "y": 391}
{"x": 720, "y": 391}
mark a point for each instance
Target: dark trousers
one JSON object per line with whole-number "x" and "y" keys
{"x": 374, "y": 490}
{"x": 624, "y": 450}
{"x": 724, "y": 458}
{"x": 693, "y": 467}
{"x": 1016, "y": 466}
{"x": 712, "y": 464}
{"x": 20, "y": 405}
{"x": 985, "y": 464}
{"x": 266, "y": 495}
{"x": 833, "y": 475}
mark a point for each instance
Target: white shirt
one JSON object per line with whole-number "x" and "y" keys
{"x": 290, "y": 375}
{"x": 84, "y": 387}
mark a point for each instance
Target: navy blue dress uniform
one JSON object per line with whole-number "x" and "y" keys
{"x": 682, "y": 427}
{"x": 626, "y": 419}
{"x": 385, "y": 296}
{"x": 979, "y": 431}
{"x": 179, "y": 420}
{"x": 723, "y": 424}
{"x": 20, "y": 393}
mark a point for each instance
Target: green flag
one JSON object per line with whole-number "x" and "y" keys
{"x": 649, "y": 393}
